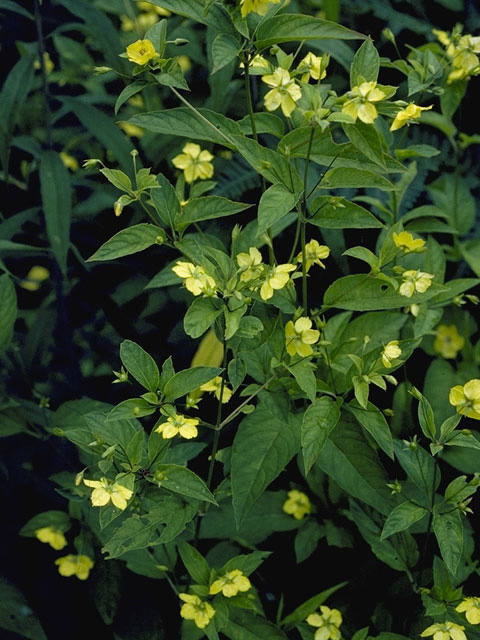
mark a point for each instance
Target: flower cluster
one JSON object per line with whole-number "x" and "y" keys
{"x": 230, "y": 584}
{"x": 471, "y": 608}
{"x": 297, "y": 504}
{"x": 195, "y": 162}
{"x": 445, "y": 631}
{"x": 195, "y": 279}
{"x": 463, "y": 53}
{"x": 328, "y": 623}
{"x": 466, "y": 399}
{"x": 415, "y": 281}
{"x": 299, "y": 337}
{"x": 407, "y": 243}
{"x": 284, "y": 92}
{"x": 196, "y": 609}
{"x": 390, "y": 352}
{"x": 361, "y": 102}
{"x": 73, "y": 565}
{"x": 257, "y": 6}
{"x": 253, "y": 271}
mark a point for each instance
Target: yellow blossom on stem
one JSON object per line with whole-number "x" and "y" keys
{"x": 72, "y": 565}
{"x": 104, "y": 491}
{"x": 464, "y": 58}
{"x": 415, "y": 280}
{"x": 195, "y": 278}
{"x": 299, "y": 337}
{"x": 195, "y": 609}
{"x": 215, "y": 387}
{"x": 466, "y": 399}
{"x": 230, "y": 584}
{"x": 410, "y": 113}
{"x": 390, "y": 352}
{"x": 328, "y": 623}
{"x": 54, "y": 537}
{"x": 250, "y": 264}
{"x": 360, "y": 105}
{"x": 141, "y": 52}
{"x": 257, "y": 6}
{"x": 195, "y": 162}
{"x": 448, "y": 342}
{"x": 471, "y": 608}
{"x": 284, "y": 93}
{"x": 445, "y": 631}
{"x": 315, "y": 67}
{"x": 297, "y": 504}
{"x": 407, "y": 243}
{"x": 314, "y": 254}
{"x": 277, "y": 279}
{"x": 179, "y": 425}
{"x": 34, "y": 278}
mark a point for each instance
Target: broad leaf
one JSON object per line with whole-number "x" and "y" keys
{"x": 9, "y": 311}
{"x": 275, "y": 203}
{"x": 185, "y": 381}
{"x": 448, "y": 529}
{"x": 128, "y": 241}
{"x": 318, "y": 422}
{"x": 291, "y": 27}
{"x": 334, "y": 212}
{"x": 140, "y": 365}
{"x": 402, "y": 517}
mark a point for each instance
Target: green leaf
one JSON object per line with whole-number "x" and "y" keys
{"x": 306, "y": 540}
{"x": 426, "y": 418}
{"x": 401, "y": 518}
{"x": 56, "y": 519}
{"x": 129, "y": 241}
{"x": 8, "y": 315}
{"x": 366, "y": 293}
{"x": 164, "y": 522}
{"x": 12, "y": 96}
{"x": 200, "y": 316}
{"x": 246, "y": 563}
{"x": 132, "y": 408}
{"x": 195, "y": 563}
{"x": 102, "y": 129}
{"x": 185, "y": 381}
{"x": 451, "y": 97}
{"x": 245, "y": 625}
{"x": 366, "y": 139}
{"x": 310, "y": 605}
{"x": 9, "y": 5}
{"x": 264, "y": 123}
{"x": 136, "y": 448}
{"x": 451, "y": 194}
{"x": 208, "y": 208}
{"x": 366, "y": 63}
{"x": 418, "y": 465}
{"x": 57, "y": 204}
{"x": 265, "y": 442}
{"x": 16, "y": 615}
{"x": 318, "y": 422}
{"x": 165, "y": 201}
{"x": 471, "y": 252}
{"x": 216, "y": 17}
{"x": 373, "y": 421}
{"x": 129, "y": 91}
{"x": 303, "y": 372}
{"x": 118, "y": 179}
{"x": 224, "y": 49}
{"x": 343, "y": 178}
{"x": 183, "y": 481}
{"x": 448, "y": 529}
{"x": 333, "y": 212}
{"x": 353, "y": 464}
{"x": 140, "y": 365}
{"x": 184, "y": 123}
{"x": 237, "y": 370}
{"x": 291, "y": 27}
{"x": 275, "y": 203}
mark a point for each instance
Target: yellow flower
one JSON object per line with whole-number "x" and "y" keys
{"x": 104, "y": 491}
{"x": 69, "y": 161}
{"x": 258, "y": 6}
{"x": 185, "y": 63}
{"x": 466, "y": 399}
{"x": 361, "y": 102}
{"x": 215, "y": 387}
{"x": 297, "y": 505}
{"x": 464, "y": 58}
{"x": 445, "y": 631}
{"x": 407, "y": 243}
{"x": 448, "y": 342}
{"x": 250, "y": 264}
{"x": 442, "y": 36}
{"x": 284, "y": 93}
{"x": 230, "y": 584}
{"x": 258, "y": 65}
{"x": 314, "y": 253}
{"x": 179, "y": 424}
{"x": 315, "y": 67}
{"x": 195, "y": 278}
{"x": 47, "y": 63}
{"x": 196, "y": 609}
{"x": 471, "y": 608}
{"x": 390, "y": 352}
{"x": 141, "y": 51}
{"x": 54, "y": 537}
{"x": 194, "y": 162}
{"x": 72, "y": 565}
{"x": 277, "y": 279}
{"x": 299, "y": 337}
{"x": 415, "y": 280}
{"x": 328, "y": 623}
{"x": 151, "y": 8}
{"x": 132, "y": 130}
{"x": 35, "y": 277}
{"x": 411, "y": 112}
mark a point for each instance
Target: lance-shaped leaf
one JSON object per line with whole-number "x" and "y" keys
{"x": 195, "y": 563}
{"x": 181, "y": 480}
{"x": 365, "y": 66}
{"x": 140, "y": 364}
{"x": 57, "y": 204}
{"x": 318, "y": 422}
{"x": 448, "y": 529}
{"x": 334, "y": 212}
{"x": 128, "y": 241}
{"x": 185, "y": 381}
{"x": 208, "y": 208}
{"x": 373, "y": 421}
{"x": 402, "y": 517}
{"x": 265, "y": 442}
{"x": 200, "y": 316}
{"x": 291, "y": 27}
{"x": 9, "y": 311}
{"x": 275, "y": 203}
{"x": 342, "y": 178}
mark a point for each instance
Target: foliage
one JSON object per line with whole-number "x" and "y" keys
{"x": 265, "y": 234}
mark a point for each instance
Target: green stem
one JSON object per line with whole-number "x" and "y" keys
{"x": 46, "y": 95}
{"x": 236, "y": 411}
{"x": 303, "y": 223}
